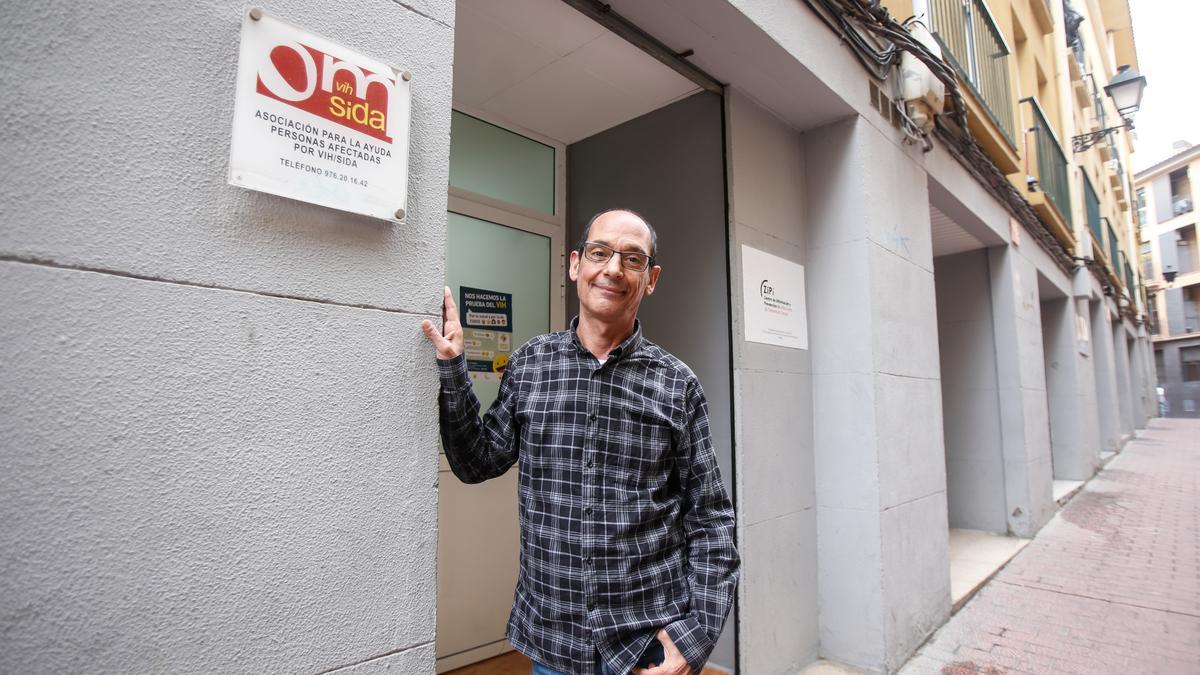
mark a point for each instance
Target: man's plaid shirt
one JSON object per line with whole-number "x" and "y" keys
{"x": 625, "y": 524}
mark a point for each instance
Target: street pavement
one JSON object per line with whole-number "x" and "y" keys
{"x": 1110, "y": 585}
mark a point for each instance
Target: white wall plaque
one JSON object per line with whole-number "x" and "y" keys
{"x": 317, "y": 122}
{"x": 773, "y": 300}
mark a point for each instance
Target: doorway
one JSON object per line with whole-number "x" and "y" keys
{"x": 536, "y": 84}
{"x": 504, "y": 243}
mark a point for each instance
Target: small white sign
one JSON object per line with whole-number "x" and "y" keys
{"x": 317, "y": 122}
{"x": 773, "y": 299}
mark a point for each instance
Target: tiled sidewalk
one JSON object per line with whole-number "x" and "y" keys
{"x": 1110, "y": 585}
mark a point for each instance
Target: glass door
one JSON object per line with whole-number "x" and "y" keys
{"x": 500, "y": 277}
{"x": 504, "y": 266}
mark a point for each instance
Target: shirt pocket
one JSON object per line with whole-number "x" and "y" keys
{"x": 553, "y": 429}
{"x": 643, "y": 444}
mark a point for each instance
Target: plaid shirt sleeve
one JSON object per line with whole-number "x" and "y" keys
{"x": 477, "y": 448}
{"x": 708, "y": 523}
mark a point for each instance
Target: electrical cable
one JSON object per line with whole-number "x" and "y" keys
{"x": 849, "y": 19}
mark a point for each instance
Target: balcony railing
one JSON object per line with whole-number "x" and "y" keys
{"x": 1113, "y": 248}
{"x": 1092, "y": 205}
{"x": 1051, "y": 162}
{"x": 1128, "y": 276}
{"x": 969, "y": 36}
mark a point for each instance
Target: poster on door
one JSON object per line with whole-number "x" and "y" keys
{"x": 317, "y": 122}
{"x": 487, "y": 324}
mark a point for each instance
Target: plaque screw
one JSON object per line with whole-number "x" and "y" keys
{"x": 399, "y": 214}
{"x": 406, "y": 76}
{"x": 256, "y": 13}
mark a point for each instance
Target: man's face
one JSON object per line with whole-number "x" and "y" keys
{"x": 608, "y": 292}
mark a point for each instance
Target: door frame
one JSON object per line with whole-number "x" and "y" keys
{"x": 549, "y": 225}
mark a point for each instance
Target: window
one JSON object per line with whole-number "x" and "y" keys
{"x": 1190, "y": 356}
{"x": 1152, "y": 315}
{"x": 494, "y": 162}
{"x": 1092, "y": 206}
{"x": 1187, "y": 254}
{"x": 1191, "y": 309}
{"x": 1146, "y": 258}
{"x": 1141, "y": 206}
{"x": 969, "y": 36}
{"x": 1160, "y": 366}
{"x": 1181, "y": 192}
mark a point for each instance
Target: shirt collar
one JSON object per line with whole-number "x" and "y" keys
{"x": 627, "y": 347}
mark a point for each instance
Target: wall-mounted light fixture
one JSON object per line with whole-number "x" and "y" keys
{"x": 1125, "y": 90}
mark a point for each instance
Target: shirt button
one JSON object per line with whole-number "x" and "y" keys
{"x": 590, "y": 606}
{"x": 589, "y": 464}
{"x": 587, "y": 560}
{"x": 588, "y": 511}
{"x": 592, "y": 417}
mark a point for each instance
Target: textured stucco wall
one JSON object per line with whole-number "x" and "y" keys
{"x": 127, "y": 170}
{"x": 216, "y": 409}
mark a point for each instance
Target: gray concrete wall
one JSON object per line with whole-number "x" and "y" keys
{"x": 1073, "y": 452}
{"x": 1169, "y": 252}
{"x": 1139, "y": 396}
{"x": 1149, "y": 376}
{"x": 880, "y": 462}
{"x": 1085, "y": 387}
{"x": 1105, "y": 369}
{"x": 217, "y": 408}
{"x": 773, "y": 389}
{"x": 1124, "y": 380}
{"x": 1173, "y": 301}
{"x": 1025, "y": 427}
{"x": 669, "y": 166}
{"x": 1161, "y": 185}
{"x": 970, "y": 393}
{"x": 1177, "y": 390}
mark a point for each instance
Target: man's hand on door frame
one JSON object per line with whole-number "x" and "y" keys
{"x": 449, "y": 341}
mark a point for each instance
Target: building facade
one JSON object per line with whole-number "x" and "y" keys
{"x": 1171, "y": 265}
{"x": 218, "y": 411}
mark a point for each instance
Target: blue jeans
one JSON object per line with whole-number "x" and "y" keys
{"x": 601, "y": 669}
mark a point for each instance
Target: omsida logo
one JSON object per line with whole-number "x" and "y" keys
{"x": 336, "y": 90}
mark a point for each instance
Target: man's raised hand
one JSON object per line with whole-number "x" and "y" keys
{"x": 448, "y": 342}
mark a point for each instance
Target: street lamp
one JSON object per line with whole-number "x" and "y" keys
{"x": 1126, "y": 92}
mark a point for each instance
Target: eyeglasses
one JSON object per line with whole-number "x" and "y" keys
{"x": 598, "y": 253}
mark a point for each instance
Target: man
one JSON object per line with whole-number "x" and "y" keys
{"x": 627, "y": 556}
